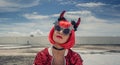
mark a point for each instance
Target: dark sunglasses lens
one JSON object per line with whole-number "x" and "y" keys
{"x": 66, "y": 31}
{"x": 57, "y": 28}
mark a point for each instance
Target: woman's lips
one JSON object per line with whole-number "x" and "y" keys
{"x": 59, "y": 36}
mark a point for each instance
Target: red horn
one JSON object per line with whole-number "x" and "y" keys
{"x": 78, "y": 22}
{"x": 62, "y": 14}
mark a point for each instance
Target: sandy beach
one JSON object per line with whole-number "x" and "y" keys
{"x": 26, "y": 55}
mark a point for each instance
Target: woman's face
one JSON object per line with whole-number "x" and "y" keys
{"x": 59, "y": 37}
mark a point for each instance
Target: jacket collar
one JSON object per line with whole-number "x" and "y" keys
{"x": 50, "y": 51}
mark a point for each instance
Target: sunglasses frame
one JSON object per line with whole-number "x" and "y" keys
{"x": 64, "y": 30}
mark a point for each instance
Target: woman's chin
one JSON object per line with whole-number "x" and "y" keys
{"x": 59, "y": 42}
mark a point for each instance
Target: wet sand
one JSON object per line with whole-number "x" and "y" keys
{"x": 25, "y": 56}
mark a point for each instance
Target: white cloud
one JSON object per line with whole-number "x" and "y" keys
{"x": 35, "y": 15}
{"x": 35, "y": 27}
{"x": 17, "y": 4}
{"x": 93, "y": 26}
{"x": 86, "y": 16}
{"x": 4, "y": 3}
{"x": 19, "y": 31}
{"x": 90, "y": 25}
{"x": 3, "y": 19}
{"x": 37, "y": 33}
{"x": 8, "y": 6}
{"x": 90, "y": 4}
{"x": 66, "y": 2}
{"x": 13, "y": 34}
{"x": 63, "y": 3}
{"x": 98, "y": 29}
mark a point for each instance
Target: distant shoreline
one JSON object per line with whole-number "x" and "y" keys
{"x": 23, "y": 46}
{"x": 29, "y": 50}
{"x": 99, "y": 44}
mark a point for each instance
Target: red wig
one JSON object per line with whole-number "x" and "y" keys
{"x": 70, "y": 43}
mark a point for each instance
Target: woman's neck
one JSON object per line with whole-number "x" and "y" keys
{"x": 58, "y": 55}
{"x": 58, "y": 49}
{"x": 57, "y": 46}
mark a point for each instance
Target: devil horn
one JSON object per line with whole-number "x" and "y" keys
{"x": 62, "y": 14}
{"x": 78, "y": 22}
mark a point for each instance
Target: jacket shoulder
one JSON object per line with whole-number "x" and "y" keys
{"x": 74, "y": 57}
{"x": 41, "y": 57}
{"x": 43, "y": 52}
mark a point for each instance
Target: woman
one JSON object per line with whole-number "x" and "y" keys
{"x": 62, "y": 38}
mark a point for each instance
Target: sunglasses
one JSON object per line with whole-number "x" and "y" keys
{"x": 65, "y": 31}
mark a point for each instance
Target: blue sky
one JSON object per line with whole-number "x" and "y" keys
{"x": 26, "y": 17}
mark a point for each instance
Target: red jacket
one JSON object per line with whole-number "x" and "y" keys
{"x": 45, "y": 58}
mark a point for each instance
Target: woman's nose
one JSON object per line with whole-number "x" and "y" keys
{"x": 61, "y": 31}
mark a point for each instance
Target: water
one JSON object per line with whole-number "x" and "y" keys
{"x": 98, "y": 40}
{"x": 101, "y": 59}
{"x": 43, "y": 40}
{"x": 14, "y": 46}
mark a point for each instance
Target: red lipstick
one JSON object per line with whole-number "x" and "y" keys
{"x": 58, "y": 36}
